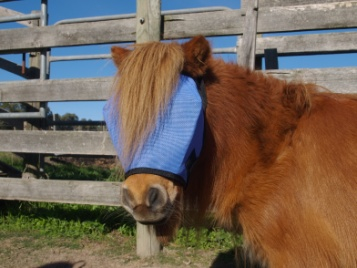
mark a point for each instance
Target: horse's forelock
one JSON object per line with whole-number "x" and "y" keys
{"x": 147, "y": 79}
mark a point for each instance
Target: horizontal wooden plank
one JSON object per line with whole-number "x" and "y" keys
{"x": 309, "y": 43}
{"x": 61, "y": 191}
{"x": 276, "y": 3}
{"x": 56, "y": 90}
{"x": 339, "y": 80}
{"x": 99, "y": 88}
{"x": 68, "y": 35}
{"x": 57, "y": 142}
{"x": 228, "y": 22}
{"x": 308, "y": 17}
{"x": 217, "y": 23}
{"x": 6, "y": 12}
{"x": 281, "y": 19}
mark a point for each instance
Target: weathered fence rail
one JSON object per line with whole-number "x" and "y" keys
{"x": 56, "y": 90}
{"x": 340, "y": 80}
{"x": 269, "y": 16}
{"x": 324, "y": 16}
{"x": 57, "y": 142}
{"x": 61, "y": 191}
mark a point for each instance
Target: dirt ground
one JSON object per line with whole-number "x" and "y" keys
{"x": 29, "y": 252}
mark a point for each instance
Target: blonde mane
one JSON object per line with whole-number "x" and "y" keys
{"x": 146, "y": 80}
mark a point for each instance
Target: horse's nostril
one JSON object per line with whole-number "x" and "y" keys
{"x": 153, "y": 195}
{"x": 127, "y": 198}
{"x": 156, "y": 198}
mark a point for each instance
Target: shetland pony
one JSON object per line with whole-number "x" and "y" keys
{"x": 278, "y": 164}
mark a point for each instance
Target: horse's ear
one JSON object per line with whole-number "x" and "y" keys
{"x": 196, "y": 51}
{"x": 119, "y": 54}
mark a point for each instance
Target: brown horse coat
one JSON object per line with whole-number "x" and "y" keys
{"x": 279, "y": 164}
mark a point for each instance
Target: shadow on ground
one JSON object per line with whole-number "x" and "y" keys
{"x": 234, "y": 258}
{"x": 225, "y": 260}
{"x": 63, "y": 264}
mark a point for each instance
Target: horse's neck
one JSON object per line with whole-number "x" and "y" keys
{"x": 246, "y": 113}
{"x": 246, "y": 122}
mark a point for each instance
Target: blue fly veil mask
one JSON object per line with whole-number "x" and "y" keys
{"x": 176, "y": 141}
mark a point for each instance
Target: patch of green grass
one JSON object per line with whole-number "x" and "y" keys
{"x": 116, "y": 174}
{"x": 70, "y": 171}
{"x": 65, "y": 220}
{"x": 127, "y": 230}
{"x": 95, "y": 222}
{"x": 205, "y": 238}
{"x": 12, "y": 160}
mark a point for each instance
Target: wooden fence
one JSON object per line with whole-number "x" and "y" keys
{"x": 251, "y": 23}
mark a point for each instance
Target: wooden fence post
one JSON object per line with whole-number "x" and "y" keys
{"x": 148, "y": 28}
{"x": 34, "y": 162}
{"x": 248, "y": 44}
{"x": 148, "y": 25}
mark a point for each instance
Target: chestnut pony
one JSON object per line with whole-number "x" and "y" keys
{"x": 278, "y": 163}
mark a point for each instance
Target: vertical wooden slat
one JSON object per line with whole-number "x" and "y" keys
{"x": 148, "y": 28}
{"x": 33, "y": 162}
{"x": 246, "y": 56}
{"x": 148, "y": 25}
